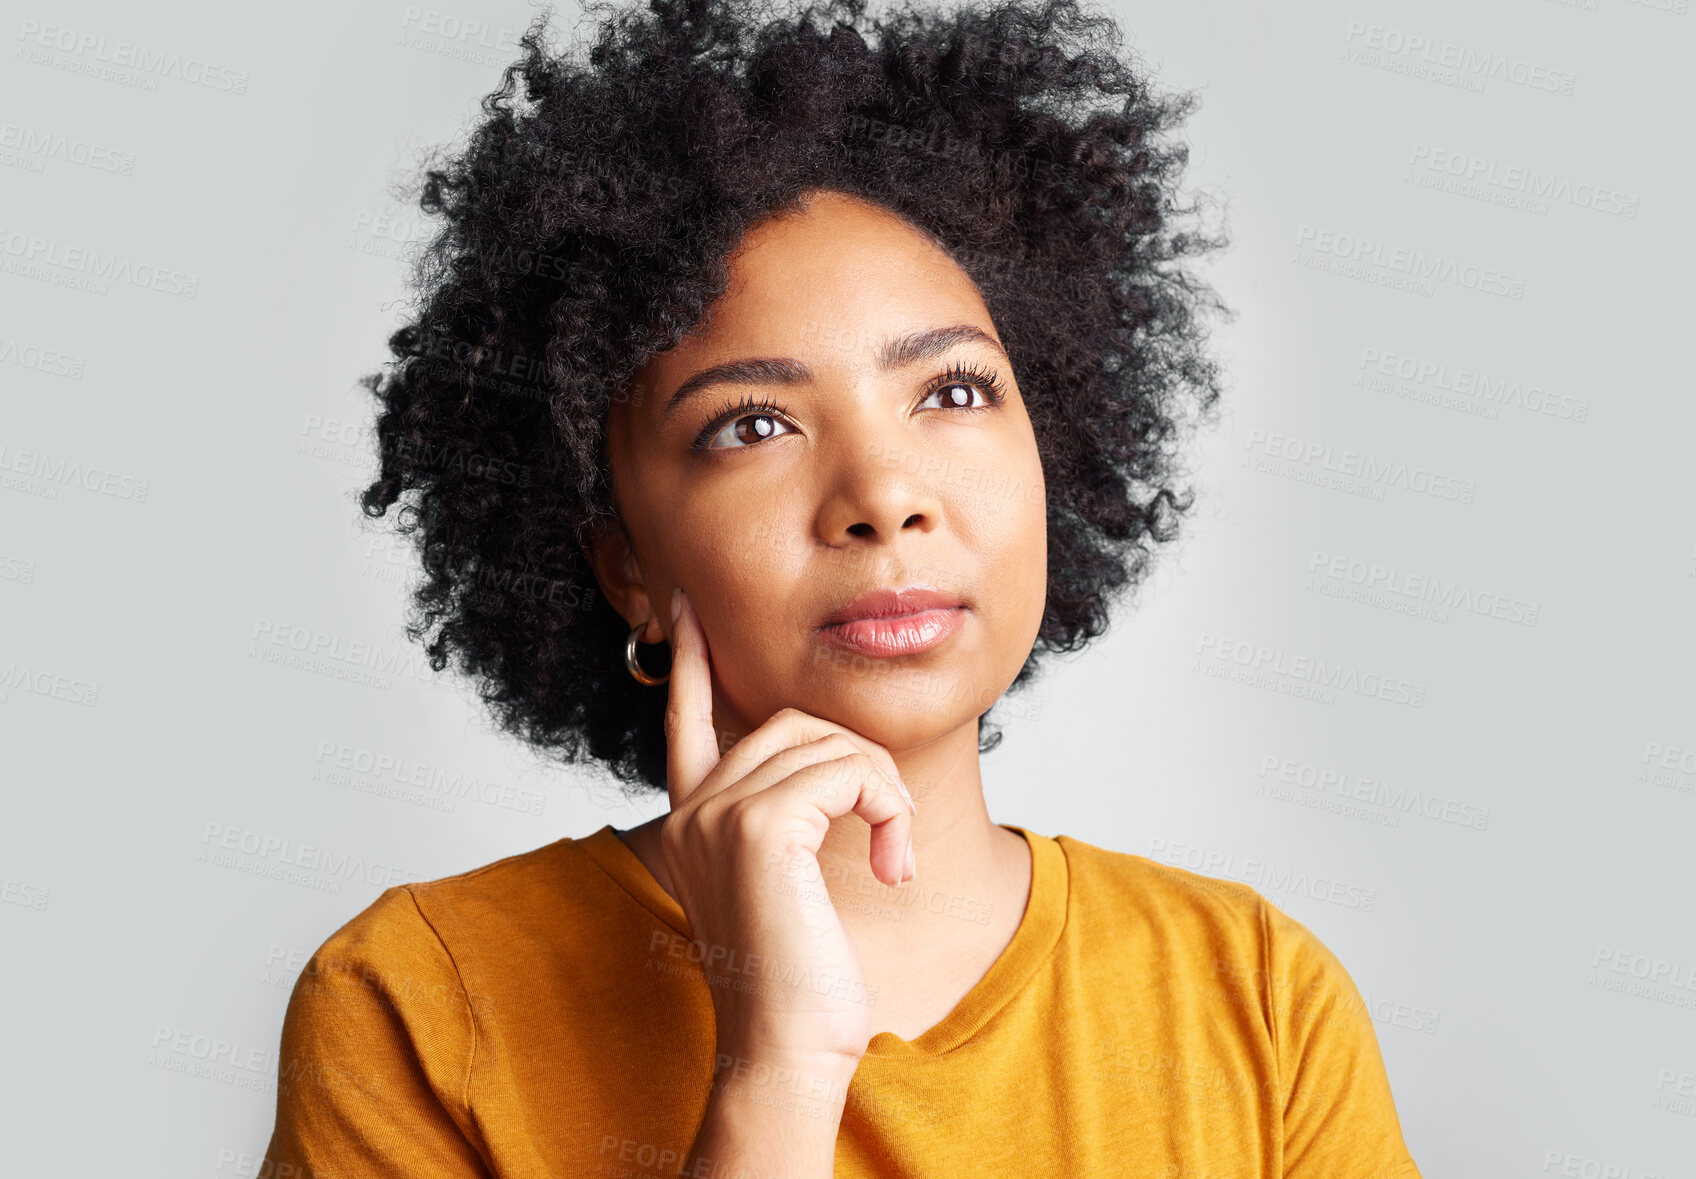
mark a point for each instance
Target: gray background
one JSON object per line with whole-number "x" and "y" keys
{"x": 177, "y": 482}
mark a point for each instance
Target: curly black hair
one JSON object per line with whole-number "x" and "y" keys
{"x": 584, "y": 227}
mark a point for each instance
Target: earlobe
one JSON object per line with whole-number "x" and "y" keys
{"x": 619, "y": 575}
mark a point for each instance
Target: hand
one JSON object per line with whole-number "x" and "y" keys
{"x": 741, "y": 845}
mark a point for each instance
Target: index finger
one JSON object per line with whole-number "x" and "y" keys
{"x": 691, "y": 743}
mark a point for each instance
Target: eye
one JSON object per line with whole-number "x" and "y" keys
{"x": 957, "y": 385}
{"x": 750, "y": 421}
{"x": 739, "y": 426}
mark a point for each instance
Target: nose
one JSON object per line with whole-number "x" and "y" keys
{"x": 874, "y": 490}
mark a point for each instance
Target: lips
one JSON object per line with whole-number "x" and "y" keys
{"x": 892, "y": 603}
{"x": 884, "y": 623}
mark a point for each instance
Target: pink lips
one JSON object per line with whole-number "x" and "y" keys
{"x": 894, "y": 622}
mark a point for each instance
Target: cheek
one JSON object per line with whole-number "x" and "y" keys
{"x": 1018, "y": 552}
{"x": 741, "y": 565}
{"x": 1002, "y": 507}
{"x": 1011, "y": 514}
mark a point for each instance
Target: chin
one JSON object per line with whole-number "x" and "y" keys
{"x": 901, "y": 715}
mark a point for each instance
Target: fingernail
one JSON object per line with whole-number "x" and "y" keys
{"x": 912, "y": 860}
{"x": 906, "y": 794}
{"x": 676, "y": 603}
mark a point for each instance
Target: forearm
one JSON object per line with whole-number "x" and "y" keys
{"x": 767, "y": 1119}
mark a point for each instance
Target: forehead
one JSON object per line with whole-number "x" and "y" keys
{"x": 830, "y": 281}
{"x": 834, "y": 232}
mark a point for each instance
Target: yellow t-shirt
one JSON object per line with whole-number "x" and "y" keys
{"x": 546, "y": 1016}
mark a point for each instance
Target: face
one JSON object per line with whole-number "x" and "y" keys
{"x": 870, "y": 436}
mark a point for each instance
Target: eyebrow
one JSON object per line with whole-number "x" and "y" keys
{"x": 894, "y": 353}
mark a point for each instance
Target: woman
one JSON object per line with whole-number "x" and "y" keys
{"x": 850, "y": 371}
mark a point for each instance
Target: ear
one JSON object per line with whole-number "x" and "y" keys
{"x": 619, "y": 574}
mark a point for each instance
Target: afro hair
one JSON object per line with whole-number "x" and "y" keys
{"x": 584, "y": 227}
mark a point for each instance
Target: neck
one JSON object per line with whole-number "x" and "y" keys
{"x": 972, "y": 873}
{"x": 967, "y": 864}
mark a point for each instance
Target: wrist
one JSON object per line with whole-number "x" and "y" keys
{"x": 745, "y": 1044}
{"x": 799, "y": 1082}
{"x": 770, "y": 1118}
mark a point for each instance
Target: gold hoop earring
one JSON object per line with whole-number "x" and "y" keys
{"x": 635, "y": 665}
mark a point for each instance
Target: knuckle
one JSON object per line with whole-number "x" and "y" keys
{"x": 849, "y": 770}
{"x": 672, "y": 841}
{"x": 678, "y": 827}
{"x": 747, "y": 819}
{"x": 673, "y": 722}
{"x": 832, "y": 748}
{"x": 822, "y": 779}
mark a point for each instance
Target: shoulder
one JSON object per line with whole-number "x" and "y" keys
{"x": 388, "y": 1017}
{"x": 389, "y": 925}
{"x": 1124, "y": 884}
{"x": 525, "y": 871}
{"x": 510, "y": 883}
{"x": 386, "y": 966}
{"x": 1192, "y": 944}
{"x": 405, "y": 921}
{"x": 1206, "y": 936}
{"x": 1119, "y": 886}
{"x": 410, "y": 947}
{"x": 398, "y": 981}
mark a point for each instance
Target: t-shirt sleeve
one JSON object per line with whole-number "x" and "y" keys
{"x": 376, "y": 1051}
{"x": 1339, "y": 1120}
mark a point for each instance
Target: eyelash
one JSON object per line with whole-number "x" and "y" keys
{"x": 985, "y": 381}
